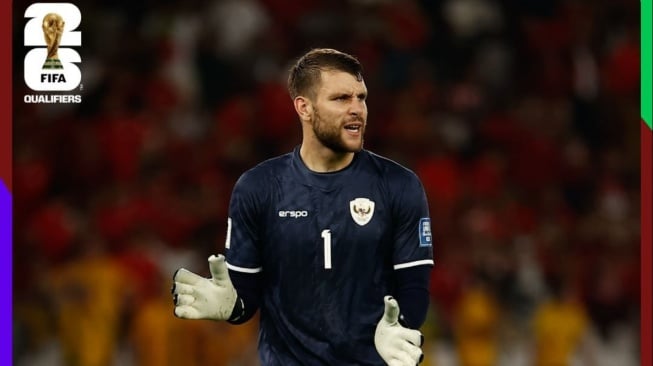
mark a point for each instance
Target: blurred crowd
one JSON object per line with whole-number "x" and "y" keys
{"x": 520, "y": 117}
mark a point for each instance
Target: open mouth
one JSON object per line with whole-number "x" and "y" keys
{"x": 354, "y": 127}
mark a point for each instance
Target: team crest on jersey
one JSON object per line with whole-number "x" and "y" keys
{"x": 362, "y": 210}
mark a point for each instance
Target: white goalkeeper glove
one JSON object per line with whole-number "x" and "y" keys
{"x": 196, "y": 297}
{"x": 398, "y": 346}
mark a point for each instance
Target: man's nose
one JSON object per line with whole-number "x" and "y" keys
{"x": 357, "y": 107}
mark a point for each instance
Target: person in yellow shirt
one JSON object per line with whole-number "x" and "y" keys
{"x": 560, "y": 325}
{"x": 476, "y": 325}
{"x": 89, "y": 294}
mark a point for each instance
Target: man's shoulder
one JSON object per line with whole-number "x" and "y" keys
{"x": 387, "y": 167}
{"x": 263, "y": 172}
{"x": 273, "y": 165}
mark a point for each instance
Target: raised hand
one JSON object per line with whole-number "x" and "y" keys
{"x": 397, "y": 345}
{"x": 196, "y": 297}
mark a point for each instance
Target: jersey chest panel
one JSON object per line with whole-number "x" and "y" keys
{"x": 308, "y": 227}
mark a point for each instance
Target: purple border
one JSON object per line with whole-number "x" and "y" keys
{"x": 6, "y": 324}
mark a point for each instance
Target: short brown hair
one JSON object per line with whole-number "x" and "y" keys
{"x": 305, "y": 73}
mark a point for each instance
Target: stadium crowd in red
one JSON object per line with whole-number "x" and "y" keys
{"x": 520, "y": 117}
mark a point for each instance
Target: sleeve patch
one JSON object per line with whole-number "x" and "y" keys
{"x": 425, "y": 237}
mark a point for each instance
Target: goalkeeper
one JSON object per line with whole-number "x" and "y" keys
{"x": 331, "y": 242}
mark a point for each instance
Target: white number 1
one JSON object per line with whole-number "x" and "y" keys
{"x": 326, "y": 235}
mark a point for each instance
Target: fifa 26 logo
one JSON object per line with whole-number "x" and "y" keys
{"x": 51, "y": 30}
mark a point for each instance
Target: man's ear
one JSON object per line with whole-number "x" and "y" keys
{"x": 303, "y": 107}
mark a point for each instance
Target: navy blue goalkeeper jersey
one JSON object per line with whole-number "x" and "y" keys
{"x": 326, "y": 245}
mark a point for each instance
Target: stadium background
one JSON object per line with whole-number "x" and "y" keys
{"x": 520, "y": 117}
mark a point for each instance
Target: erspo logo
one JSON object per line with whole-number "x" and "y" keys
{"x": 51, "y": 64}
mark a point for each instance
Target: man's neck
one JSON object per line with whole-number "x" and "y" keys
{"x": 321, "y": 159}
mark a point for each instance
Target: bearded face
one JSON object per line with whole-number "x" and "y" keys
{"x": 339, "y": 136}
{"x": 339, "y": 113}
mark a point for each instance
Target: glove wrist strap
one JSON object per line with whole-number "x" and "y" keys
{"x": 238, "y": 311}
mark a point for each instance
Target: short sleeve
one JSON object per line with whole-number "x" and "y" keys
{"x": 244, "y": 225}
{"x": 413, "y": 238}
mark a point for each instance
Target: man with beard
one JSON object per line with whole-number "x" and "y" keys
{"x": 327, "y": 240}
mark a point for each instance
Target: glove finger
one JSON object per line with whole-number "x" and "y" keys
{"x": 405, "y": 359}
{"x": 182, "y": 288}
{"x": 185, "y": 276}
{"x": 186, "y": 312}
{"x": 391, "y": 313}
{"x": 181, "y": 300}
{"x": 411, "y": 335}
{"x": 395, "y": 362}
{"x": 413, "y": 351}
{"x": 219, "y": 271}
